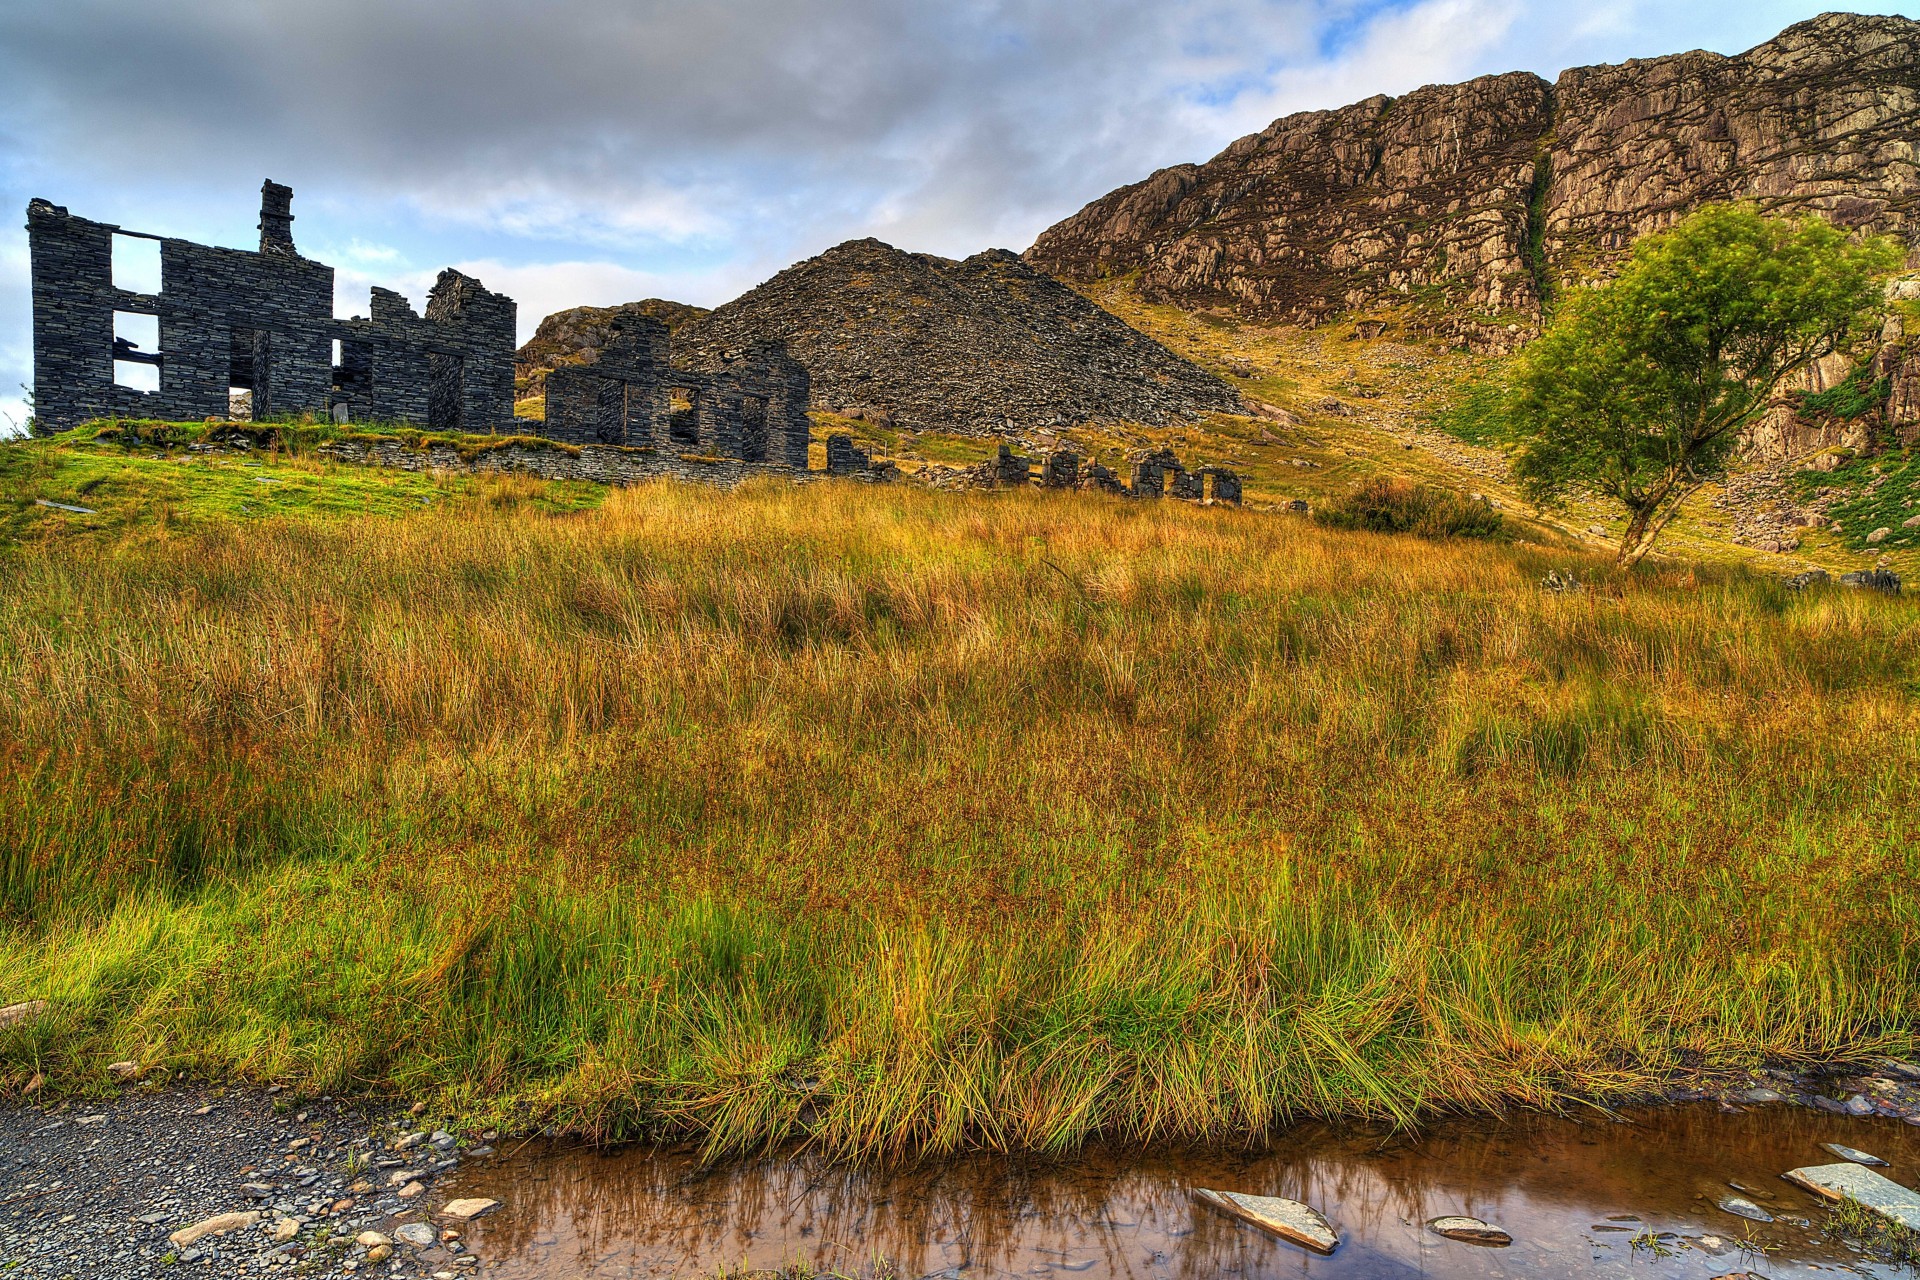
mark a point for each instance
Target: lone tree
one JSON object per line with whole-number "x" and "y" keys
{"x": 1639, "y": 387}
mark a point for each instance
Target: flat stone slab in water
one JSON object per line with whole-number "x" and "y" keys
{"x": 1288, "y": 1219}
{"x": 1471, "y": 1230}
{"x": 1856, "y": 1157}
{"x": 1855, "y": 1182}
{"x": 1741, "y": 1207}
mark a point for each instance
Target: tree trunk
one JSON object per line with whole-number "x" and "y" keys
{"x": 1635, "y": 542}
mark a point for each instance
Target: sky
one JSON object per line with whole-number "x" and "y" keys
{"x": 573, "y": 152}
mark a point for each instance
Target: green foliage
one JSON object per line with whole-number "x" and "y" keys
{"x": 1856, "y": 397}
{"x": 1882, "y": 493}
{"x": 1391, "y": 505}
{"x": 1639, "y": 387}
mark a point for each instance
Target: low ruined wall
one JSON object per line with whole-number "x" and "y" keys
{"x": 602, "y": 464}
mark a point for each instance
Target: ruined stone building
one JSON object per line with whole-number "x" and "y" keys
{"x": 260, "y": 322}
{"x": 750, "y": 405}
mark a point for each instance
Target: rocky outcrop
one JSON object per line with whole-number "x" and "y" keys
{"x": 1465, "y": 204}
{"x": 577, "y": 336}
{"x": 979, "y": 347}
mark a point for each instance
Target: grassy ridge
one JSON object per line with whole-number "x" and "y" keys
{"x": 912, "y": 820}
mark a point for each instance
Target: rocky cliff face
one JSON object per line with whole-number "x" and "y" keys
{"x": 1463, "y": 204}
{"x": 979, "y": 347}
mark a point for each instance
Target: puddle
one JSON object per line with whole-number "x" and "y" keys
{"x": 1575, "y": 1194}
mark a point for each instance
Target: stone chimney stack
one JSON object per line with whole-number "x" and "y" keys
{"x": 276, "y": 219}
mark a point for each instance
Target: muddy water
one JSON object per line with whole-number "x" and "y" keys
{"x": 1575, "y": 1194}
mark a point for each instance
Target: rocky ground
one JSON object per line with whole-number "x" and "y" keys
{"x": 182, "y": 1182}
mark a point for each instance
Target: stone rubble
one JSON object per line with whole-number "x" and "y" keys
{"x": 178, "y": 1182}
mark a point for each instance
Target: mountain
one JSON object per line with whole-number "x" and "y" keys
{"x": 575, "y": 336}
{"x": 978, "y": 347}
{"x": 1466, "y": 204}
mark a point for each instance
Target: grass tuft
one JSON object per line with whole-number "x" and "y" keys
{"x": 903, "y": 821}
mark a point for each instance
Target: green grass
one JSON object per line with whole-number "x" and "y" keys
{"x": 1879, "y": 1236}
{"x": 907, "y": 821}
{"x": 154, "y": 485}
{"x": 1883, "y": 493}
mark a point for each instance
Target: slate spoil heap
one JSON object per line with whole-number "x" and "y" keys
{"x": 981, "y": 347}
{"x": 1472, "y": 201}
{"x": 578, "y": 335}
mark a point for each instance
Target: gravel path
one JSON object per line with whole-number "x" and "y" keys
{"x": 93, "y": 1192}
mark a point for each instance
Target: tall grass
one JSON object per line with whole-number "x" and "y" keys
{"x": 909, "y": 821}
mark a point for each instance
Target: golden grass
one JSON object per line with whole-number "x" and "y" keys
{"x": 909, "y": 821}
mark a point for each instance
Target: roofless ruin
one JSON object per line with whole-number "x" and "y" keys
{"x": 215, "y": 323}
{"x": 223, "y": 321}
{"x": 227, "y": 320}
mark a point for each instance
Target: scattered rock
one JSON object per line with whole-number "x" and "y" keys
{"x": 1873, "y": 580}
{"x": 1760, "y": 1095}
{"x": 1880, "y": 535}
{"x": 1287, "y": 1219}
{"x": 380, "y": 1253}
{"x": 1471, "y": 1230}
{"x": 284, "y": 1230}
{"x": 368, "y": 1239}
{"x": 218, "y": 1225}
{"x": 1811, "y": 578}
{"x": 1561, "y": 583}
{"x": 410, "y": 1191}
{"x": 465, "y": 1210}
{"x": 1859, "y": 1105}
{"x": 417, "y": 1234}
{"x": 1856, "y": 1157}
{"x": 123, "y": 1070}
{"x": 1741, "y": 1207}
{"x": 18, "y": 1013}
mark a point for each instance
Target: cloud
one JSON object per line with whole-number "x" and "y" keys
{"x": 580, "y": 148}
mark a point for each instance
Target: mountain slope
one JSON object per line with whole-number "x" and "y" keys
{"x": 984, "y": 346}
{"x": 1465, "y": 204}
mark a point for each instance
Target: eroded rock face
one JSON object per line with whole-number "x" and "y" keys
{"x": 979, "y": 347}
{"x": 1469, "y": 201}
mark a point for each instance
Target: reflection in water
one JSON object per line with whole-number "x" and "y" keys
{"x": 1575, "y": 1193}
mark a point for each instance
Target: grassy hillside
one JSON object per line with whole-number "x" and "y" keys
{"x": 910, "y": 820}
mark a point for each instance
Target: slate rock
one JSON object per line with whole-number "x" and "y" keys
{"x": 1863, "y": 1186}
{"x": 1470, "y": 1230}
{"x": 1741, "y": 1207}
{"x": 1853, "y": 1155}
{"x": 1288, "y": 1219}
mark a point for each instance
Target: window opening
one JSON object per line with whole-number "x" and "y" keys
{"x": 136, "y": 263}
{"x": 683, "y": 415}
{"x": 136, "y": 351}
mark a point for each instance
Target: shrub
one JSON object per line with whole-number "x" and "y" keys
{"x": 1391, "y": 505}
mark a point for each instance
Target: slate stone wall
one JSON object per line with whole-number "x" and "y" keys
{"x": 750, "y": 405}
{"x": 262, "y": 321}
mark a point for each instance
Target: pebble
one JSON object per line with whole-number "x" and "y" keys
{"x": 1741, "y": 1207}
{"x": 1471, "y": 1230}
{"x": 211, "y": 1170}
{"x": 418, "y": 1234}
{"x": 465, "y": 1210}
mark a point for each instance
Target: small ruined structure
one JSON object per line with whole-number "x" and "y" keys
{"x": 1159, "y": 474}
{"x": 749, "y": 405}
{"x": 259, "y": 322}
